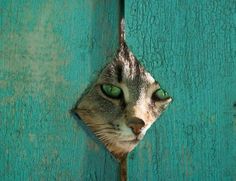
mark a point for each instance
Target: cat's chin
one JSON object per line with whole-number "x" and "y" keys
{"x": 122, "y": 148}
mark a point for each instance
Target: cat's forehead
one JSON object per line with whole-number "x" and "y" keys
{"x": 126, "y": 69}
{"x": 126, "y": 72}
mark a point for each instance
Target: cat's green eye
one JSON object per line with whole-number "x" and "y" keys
{"x": 161, "y": 94}
{"x": 111, "y": 91}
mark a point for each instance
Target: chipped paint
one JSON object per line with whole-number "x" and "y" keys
{"x": 48, "y": 54}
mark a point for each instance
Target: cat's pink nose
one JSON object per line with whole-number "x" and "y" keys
{"x": 136, "y": 125}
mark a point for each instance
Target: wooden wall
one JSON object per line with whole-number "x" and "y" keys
{"x": 50, "y": 51}
{"x": 189, "y": 46}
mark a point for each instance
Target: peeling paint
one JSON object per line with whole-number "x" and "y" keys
{"x": 49, "y": 52}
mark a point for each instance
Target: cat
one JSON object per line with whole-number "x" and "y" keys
{"x": 123, "y": 103}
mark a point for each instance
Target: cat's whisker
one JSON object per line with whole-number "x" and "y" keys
{"x": 98, "y": 123}
{"x": 102, "y": 126}
{"x": 106, "y": 139}
{"x": 103, "y": 129}
{"x": 113, "y": 134}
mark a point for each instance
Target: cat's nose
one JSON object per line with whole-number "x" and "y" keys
{"x": 136, "y": 125}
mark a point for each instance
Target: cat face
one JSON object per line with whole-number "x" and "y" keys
{"x": 123, "y": 103}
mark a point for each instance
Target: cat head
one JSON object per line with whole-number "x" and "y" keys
{"x": 122, "y": 104}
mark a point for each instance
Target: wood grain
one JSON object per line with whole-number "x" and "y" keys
{"x": 50, "y": 51}
{"x": 189, "y": 47}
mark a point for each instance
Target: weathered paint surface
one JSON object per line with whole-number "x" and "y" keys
{"x": 50, "y": 51}
{"x": 189, "y": 46}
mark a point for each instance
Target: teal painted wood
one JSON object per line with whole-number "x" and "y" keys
{"x": 189, "y": 46}
{"x": 50, "y": 51}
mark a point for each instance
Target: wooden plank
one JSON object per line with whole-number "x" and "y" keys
{"x": 50, "y": 51}
{"x": 189, "y": 47}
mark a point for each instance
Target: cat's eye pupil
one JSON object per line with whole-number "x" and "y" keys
{"x": 111, "y": 91}
{"x": 161, "y": 94}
